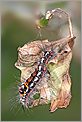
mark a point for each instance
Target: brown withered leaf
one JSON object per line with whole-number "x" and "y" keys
{"x": 56, "y": 87}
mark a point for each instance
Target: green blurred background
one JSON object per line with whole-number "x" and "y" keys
{"x": 18, "y": 30}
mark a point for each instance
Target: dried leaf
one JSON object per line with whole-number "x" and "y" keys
{"x": 54, "y": 86}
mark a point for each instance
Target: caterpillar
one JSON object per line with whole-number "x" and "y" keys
{"x": 29, "y": 84}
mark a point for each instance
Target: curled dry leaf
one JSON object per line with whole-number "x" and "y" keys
{"x": 55, "y": 86}
{"x": 44, "y": 69}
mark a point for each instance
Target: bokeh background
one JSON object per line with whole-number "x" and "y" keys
{"x": 17, "y": 30}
